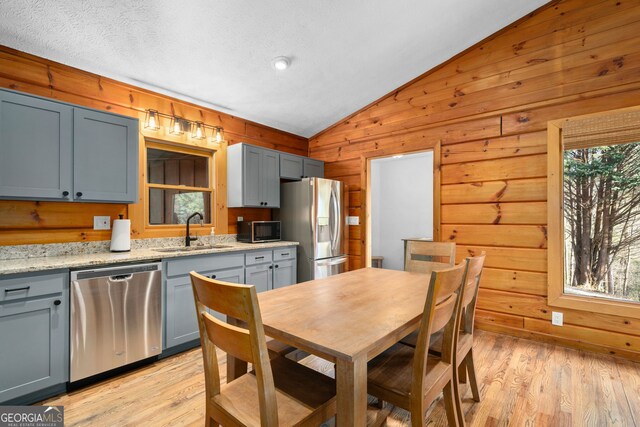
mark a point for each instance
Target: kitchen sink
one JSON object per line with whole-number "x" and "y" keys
{"x": 192, "y": 248}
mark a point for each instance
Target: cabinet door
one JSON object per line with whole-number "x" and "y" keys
{"x": 234, "y": 275}
{"x": 35, "y": 148}
{"x": 251, "y": 173}
{"x": 271, "y": 179}
{"x": 260, "y": 276}
{"x": 290, "y": 166}
{"x": 284, "y": 273}
{"x": 313, "y": 168}
{"x": 32, "y": 348}
{"x": 105, "y": 157}
{"x": 181, "y": 320}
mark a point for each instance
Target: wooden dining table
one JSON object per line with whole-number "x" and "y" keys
{"x": 347, "y": 319}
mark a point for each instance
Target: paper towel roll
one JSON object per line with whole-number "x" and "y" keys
{"x": 121, "y": 235}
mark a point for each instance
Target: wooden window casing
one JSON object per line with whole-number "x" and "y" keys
{"x": 209, "y": 188}
{"x": 557, "y": 142}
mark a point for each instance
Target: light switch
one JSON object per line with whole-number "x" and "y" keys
{"x": 101, "y": 223}
{"x": 240, "y": 218}
{"x": 556, "y": 318}
{"x": 353, "y": 220}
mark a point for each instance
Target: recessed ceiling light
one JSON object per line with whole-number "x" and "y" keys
{"x": 398, "y": 156}
{"x": 280, "y": 63}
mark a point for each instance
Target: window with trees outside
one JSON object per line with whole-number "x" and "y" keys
{"x": 594, "y": 209}
{"x": 178, "y": 183}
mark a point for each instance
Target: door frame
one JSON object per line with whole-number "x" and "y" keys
{"x": 365, "y": 194}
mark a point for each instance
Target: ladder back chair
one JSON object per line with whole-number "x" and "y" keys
{"x": 278, "y": 391}
{"x": 411, "y": 378}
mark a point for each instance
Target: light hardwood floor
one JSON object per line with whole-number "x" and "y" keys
{"x": 521, "y": 383}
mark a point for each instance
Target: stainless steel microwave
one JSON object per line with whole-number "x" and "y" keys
{"x": 259, "y": 231}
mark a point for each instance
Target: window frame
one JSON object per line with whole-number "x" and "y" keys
{"x": 208, "y": 153}
{"x": 556, "y": 296}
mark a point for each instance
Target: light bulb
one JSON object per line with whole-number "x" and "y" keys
{"x": 281, "y": 63}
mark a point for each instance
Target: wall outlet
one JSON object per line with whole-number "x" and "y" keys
{"x": 556, "y": 318}
{"x": 353, "y": 220}
{"x": 240, "y": 218}
{"x": 101, "y": 223}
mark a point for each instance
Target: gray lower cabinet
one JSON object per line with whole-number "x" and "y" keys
{"x": 253, "y": 177}
{"x": 181, "y": 324}
{"x": 51, "y": 150}
{"x": 34, "y": 335}
{"x": 271, "y": 269}
{"x": 284, "y": 273}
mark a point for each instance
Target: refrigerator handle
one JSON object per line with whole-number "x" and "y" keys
{"x": 335, "y": 231}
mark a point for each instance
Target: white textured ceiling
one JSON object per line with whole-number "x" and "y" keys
{"x": 345, "y": 53}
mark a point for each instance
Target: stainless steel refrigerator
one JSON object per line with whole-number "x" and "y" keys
{"x": 312, "y": 213}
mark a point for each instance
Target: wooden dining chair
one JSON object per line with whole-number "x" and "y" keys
{"x": 410, "y": 377}
{"x": 278, "y": 391}
{"x": 422, "y": 256}
{"x": 464, "y": 349}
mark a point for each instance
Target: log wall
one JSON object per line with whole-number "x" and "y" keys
{"x": 23, "y": 222}
{"x": 489, "y": 107}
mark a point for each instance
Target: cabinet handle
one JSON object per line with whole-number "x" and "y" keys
{"x": 213, "y": 276}
{"x": 65, "y": 194}
{"x": 277, "y": 266}
{"x": 287, "y": 254}
{"x": 271, "y": 267}
{"x": 79, "y": 194}
{"x": 259, "y": 257}
{"x": 301, "y": 176}
{"x": 57, "y": 302}
{"x": 25, "y": 288}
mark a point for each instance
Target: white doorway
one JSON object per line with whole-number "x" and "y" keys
{"x": 402, "y": 204}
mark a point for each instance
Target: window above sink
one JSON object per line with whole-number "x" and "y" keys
{"x": 179, "y": 182}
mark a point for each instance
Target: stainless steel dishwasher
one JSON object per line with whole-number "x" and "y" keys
{"x": 116, "y": 317}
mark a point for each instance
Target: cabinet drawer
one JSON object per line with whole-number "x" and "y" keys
{"x": 258, "y": 257}
{"x": 284, "y": 253}
{"x": 181, "y": 266}
{"x": 32, "y": 286}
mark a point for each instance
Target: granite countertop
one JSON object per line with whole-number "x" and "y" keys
{"x": 26, "y": 265}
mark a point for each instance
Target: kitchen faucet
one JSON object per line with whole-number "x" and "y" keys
{"x": 188, "y": 238}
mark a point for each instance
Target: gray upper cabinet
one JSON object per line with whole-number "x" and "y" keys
{"x": 297, "y": 167}
{"x": 105, "y": 157}
{"x": 290, "y": 166}
{"x": 312, "y": 168}
{"x": 35, "y": 148}
{"x": 51, "y": 150}
{"x": 253, "y": 177}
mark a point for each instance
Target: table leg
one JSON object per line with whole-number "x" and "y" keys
{"x": 351, "y": 394}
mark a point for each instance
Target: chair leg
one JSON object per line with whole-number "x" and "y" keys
{"x": 473, "y": 382}
{"x": 462, "y": 372}
{"x": 209, "y": 421}
{"x": 452, "y": 404}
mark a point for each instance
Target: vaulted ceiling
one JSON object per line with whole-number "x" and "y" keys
{"x": 344, "y": 53}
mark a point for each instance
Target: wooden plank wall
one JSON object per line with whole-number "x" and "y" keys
{"x": 23, "y": 222}
{"x": 489, "y": 108}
